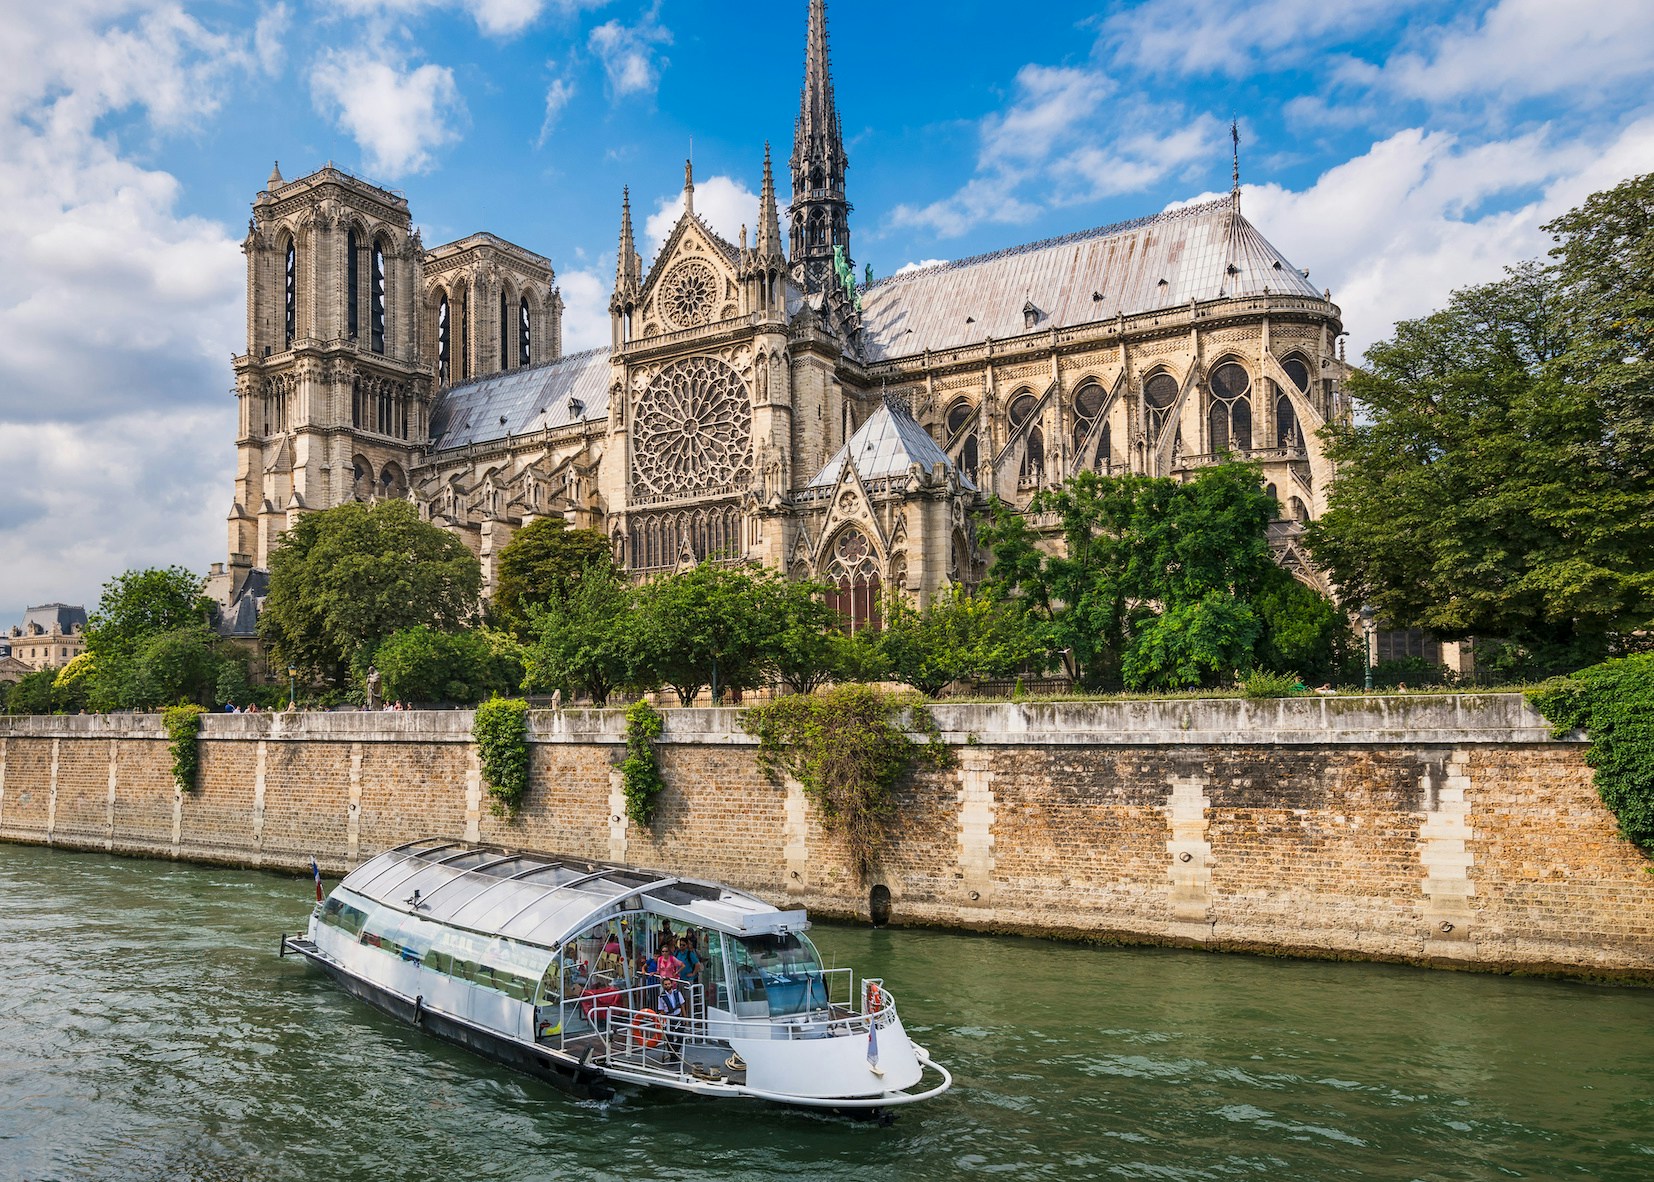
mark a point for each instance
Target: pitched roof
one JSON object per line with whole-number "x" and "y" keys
{"x": 520, "y": 401}
{"x": 888, "y": 443}
{"x": 1198, "y": 252}
{"x": 61, "y": 618}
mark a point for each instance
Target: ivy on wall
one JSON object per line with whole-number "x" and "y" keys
{"x": 1613, "y": 703}
{"x": 500, "y": 730}
{"x": 849, "y": 750}
{"x": 183, "y": 727}
{"x": 640, "y": 770}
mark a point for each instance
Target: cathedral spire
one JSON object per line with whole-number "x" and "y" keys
{"x": 626, "y": 258}
{"x": 769, "y": 222}
{"x": 820, "y": 212}
{"x": 1234, "y": 138}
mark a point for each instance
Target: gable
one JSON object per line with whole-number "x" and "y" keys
{"x": 692, "y": 283}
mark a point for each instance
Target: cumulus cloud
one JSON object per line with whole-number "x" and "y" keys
{"x": 921, "y": 265}
{"x": 722, "y": 202}
{"x": 496, "y": 18}
{"x": 630, "y": 54}
{"x": 1394, "y": 231}
{"x": 398, "y": 114}
{"x": 585, "y": 308}
{"x": 1234, "y": 37}
{"x": 558, "y": 95}
{"x": 121, "y": 313}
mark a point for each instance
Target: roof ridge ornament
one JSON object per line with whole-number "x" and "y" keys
{"x": 1234, "y": 136}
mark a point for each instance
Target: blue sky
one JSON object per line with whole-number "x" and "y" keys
{"x": 1398, "y": 150}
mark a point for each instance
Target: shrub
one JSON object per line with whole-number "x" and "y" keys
{"x": 1613, "y": 703}
{"x": 501, "y": 733}
{"x": 640, "y": 770}
{"x": 183, "y": 727}
{"x": 1261, "y": 683}
{"x": 847, "y": 750}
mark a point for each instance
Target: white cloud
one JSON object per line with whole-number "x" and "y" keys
{"x": 585, "y": 308}
{"x": 268, "y": 37}
{"x": 722, "y": 202}
{"x": 1235, "y": 37}
{"x": 120, "y": 314}
{"x": 1521, "y": 48}
{"x": 921, "y": 265}
{"x": 630, "y": 54}
{"x": 558, "y": 95}
{"x": 1393, "y": 232}
{"x": 496, "y": 18}
{"x": 399, "y": 116}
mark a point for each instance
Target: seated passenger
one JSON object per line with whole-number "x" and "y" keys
{"x": 597, "y": 999}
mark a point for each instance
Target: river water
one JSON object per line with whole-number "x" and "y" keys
{"x": 148, "y": 1031}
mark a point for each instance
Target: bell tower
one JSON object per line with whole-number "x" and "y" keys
{"x": 333, "y": 394}
{"x": 820, "y": 212}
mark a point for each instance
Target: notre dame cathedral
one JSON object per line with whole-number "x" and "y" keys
{"x": 759, "y": 400}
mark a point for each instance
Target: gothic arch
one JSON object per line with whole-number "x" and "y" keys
{"x": 362, "y": 483}
{"x": 379, "y": 293}
{"x": 1161, "y": 388}
{"x": 393, "y": 482}
{"x": 850, "y": 567}
{"x": 1229, "y": 406}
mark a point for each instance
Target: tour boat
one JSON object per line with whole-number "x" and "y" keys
{"x": 549, "y": 964}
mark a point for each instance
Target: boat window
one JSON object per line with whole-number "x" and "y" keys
{"x": 783, "y": 969}
{"x": 337, "y": 913}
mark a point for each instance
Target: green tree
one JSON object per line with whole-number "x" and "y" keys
{"x": 138, "y": 604}
{"x": 541, "y": 565}
{"x": 1160, "y": 584}
{"x": 1499, "y": 480}
{"x": 955, "y": 636}
{"x": 420, "y": 664}
{"x": 708, "y": 626}
{"x": 34, "y": 693}
{"x": 808, "y": 646}
{"x": 344, "y": 580}
{"x": 582, "y": 642}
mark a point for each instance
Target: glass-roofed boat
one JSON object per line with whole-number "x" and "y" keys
{"x": 590, "y": 974}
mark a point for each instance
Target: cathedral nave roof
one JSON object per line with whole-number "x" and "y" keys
{"x": 521, "y": 401}
{"x": 1197, "y": 252}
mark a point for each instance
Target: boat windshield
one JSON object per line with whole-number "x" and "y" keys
{"x": 781, "y": 968}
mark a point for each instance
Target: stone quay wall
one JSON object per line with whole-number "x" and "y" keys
{"x": 1448, "y": 830}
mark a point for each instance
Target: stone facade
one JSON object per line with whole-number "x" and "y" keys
{"x": 761, "y": 400}
{"x": 1438, "y": 830}
{"x": 50, "y": 636}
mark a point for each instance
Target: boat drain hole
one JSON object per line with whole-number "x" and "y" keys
{"x": 878, "y": 905}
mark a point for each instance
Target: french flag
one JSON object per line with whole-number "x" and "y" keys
{"x": 316, "y": 871}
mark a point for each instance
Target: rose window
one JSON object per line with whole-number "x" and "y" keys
{"x": 688, "y": 294}
{"x": 692, "y": 432}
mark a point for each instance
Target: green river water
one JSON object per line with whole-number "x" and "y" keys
{"x": 148, "y": 1031}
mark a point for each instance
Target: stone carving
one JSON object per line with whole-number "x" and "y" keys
{"x": 692, "y": 431}
{"x": 688, "y": 293}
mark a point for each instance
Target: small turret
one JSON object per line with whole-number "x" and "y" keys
{"x": 764, "y": 267}
{"x": 628, "y": 275}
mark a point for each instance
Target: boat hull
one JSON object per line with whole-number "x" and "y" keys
{"x": 561, "y": 1070}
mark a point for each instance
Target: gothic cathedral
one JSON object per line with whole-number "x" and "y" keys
{"x": 759, "y": 400}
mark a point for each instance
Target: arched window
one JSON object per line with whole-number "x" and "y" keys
{"x": 1298, "y": 370}
{"x": 444, "y": 342}
{"x": 1033, "y": 458}
{"x": 853, "y": 578}
{"x": 1229, "y": 414}
{"x": 376, "y": 315}
{"x": 1159, "y": 394}
{"x": 1088, "y": 408}
{"x": 1287, "y": 434}
{"x": 505, "y": 333}
{"x": 969, "y": 457}
{"x": 960, "y": 413}
{"x": 290, "y": 297}
{"x": 1022, "y": 409}
{"x": 1297, "y": 510}
{"x": 353, "y": 284}
{"x": 392, "y": 482}
{"x": 818, "y": 228}
{"x": 524, "y": 343}
{"x": 464, "y": 336}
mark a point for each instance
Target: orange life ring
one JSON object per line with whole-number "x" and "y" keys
{"x": 875, "y": 998}
{"x": 649, "y": 1027}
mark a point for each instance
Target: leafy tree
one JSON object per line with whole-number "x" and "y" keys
{"x": 541, "y": 565}
{"x": 808, "y": 646}
{"x": 582, "y": 642}
{"x": 344, "y": 580}
{"x": 138, "y": 604}
{"x": 34, "y": 693}
{"x": 706, "y": 626}
{"x": 183, "y": 665}
{"x": 955, "y": 636}
{"x": 1499, "y": 481}
{"x": 420, "y": 664}
{"x": 1304, "y": 632}
{"x": 1160, "y": 584}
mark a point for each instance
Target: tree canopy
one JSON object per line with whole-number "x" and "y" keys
{"x": 150, "y": 643}
{"x": 138, "y": 604}
{"x": 541, "y": 565}
{"x": 955, "y": 636}
{"x": 581, "y": 642}
{"x": 707, "y": 626}
{"x": 1498, "y": 480}
{"x": 1161, "y": 585}
{"x": 344, "y": 580}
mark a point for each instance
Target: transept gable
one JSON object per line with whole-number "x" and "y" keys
{"x": 693, "y": 281}
{"x": 851, "y": 506}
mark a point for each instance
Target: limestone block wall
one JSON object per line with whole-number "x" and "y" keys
{"x": 1439, "y": 830}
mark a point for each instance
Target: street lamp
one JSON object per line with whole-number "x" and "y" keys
{"x": 292, "y": 687}
{"x": 1367, "y": 645}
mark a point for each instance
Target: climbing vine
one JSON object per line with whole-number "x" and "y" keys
{"x": 847, "y": 747}
{"x": 1613, "y": 703}
{"x": 640, "y": 770}
{"x": 183, "y": 727}
{"x": 501, "y": 733}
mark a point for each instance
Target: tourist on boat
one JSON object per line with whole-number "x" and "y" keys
{"x": 667, "y": 965}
